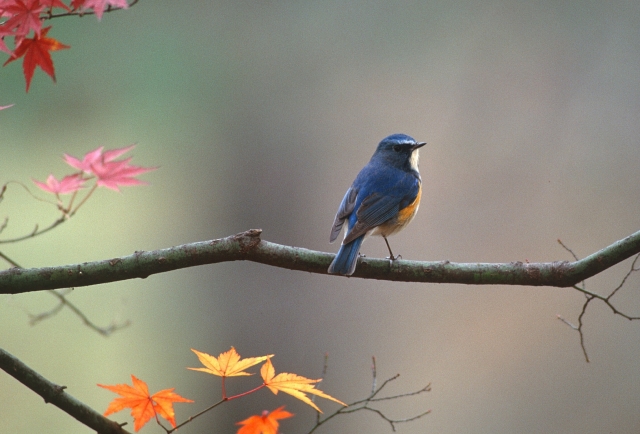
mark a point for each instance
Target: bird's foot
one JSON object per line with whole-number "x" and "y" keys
{"x": 393, "y": 258}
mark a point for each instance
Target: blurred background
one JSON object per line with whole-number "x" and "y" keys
{"x": 260, "y": 114}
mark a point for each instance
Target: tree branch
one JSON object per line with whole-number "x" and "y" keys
{"x": 247, "y": 246}
{"x": 56, "y": 395}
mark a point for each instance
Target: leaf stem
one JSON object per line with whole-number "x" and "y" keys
{"x": 240, "y": 395}
{"x": 196, "y": 415}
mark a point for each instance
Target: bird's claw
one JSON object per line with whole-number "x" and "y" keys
{"x": 393, "y": 258}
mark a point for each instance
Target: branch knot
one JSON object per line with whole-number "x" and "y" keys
{"x": 248, "y": 240}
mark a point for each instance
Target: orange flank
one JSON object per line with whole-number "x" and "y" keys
{"x": 406, "y": 214}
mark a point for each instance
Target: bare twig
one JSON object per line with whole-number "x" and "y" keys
{"x": 169, "y": 431}
{"x": 567, "y": 249}
{"x": 363, "y": 404}
{"x": 64, "y": 302}
{"x": 9, "y": 260}
{"x": 36, "y": 230}
{"x": 590, "y": 296}
{"x": 79, "y": 13}
{"x": 325, "y": 366}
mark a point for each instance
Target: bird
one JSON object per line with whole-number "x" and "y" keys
{"x": 382, "y": 200}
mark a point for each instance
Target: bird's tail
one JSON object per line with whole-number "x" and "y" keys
{"x": 345, "y": 261}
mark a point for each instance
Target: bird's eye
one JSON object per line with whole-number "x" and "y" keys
{"x": 397, "y": 148}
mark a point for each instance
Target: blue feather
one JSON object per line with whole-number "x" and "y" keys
{"x": 347, "y": 257}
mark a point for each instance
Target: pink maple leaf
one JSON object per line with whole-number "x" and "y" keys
{"x": 68, "y": 184}
{"x": 3, "y": 46}
{"x": 87, "y": 161}
{"x": 4, "y": 32}
{"x": 109, "y": 171}
{"x": 95, "y": 156}
{"x": 99, "y": 6}
{"x": 112, "y": 174}
{"x": 24, "y": 16}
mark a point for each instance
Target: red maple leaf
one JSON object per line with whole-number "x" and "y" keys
{"x": 50, "y": 4}
{"x": 36, "y": 53}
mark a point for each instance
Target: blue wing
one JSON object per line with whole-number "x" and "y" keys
{"x": 381, "y": 194}
{"x": 344, "y": 211}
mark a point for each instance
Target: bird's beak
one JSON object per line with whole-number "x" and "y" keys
{"x": 419, "y": 145}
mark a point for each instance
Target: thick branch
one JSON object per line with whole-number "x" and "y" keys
{"x": 56, "y": 395}
{"x": 248, "y": 246}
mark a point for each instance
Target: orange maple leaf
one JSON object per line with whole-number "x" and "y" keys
{"x": 36, "y": 53}
{"x": 227, "y": 364}
{"x": 267, "y": 423}
{"x": 293, "y": 384}
{"x": 143, "y": 406}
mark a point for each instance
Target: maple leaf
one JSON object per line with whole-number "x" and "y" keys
{"x": 227, "y": 364}
{"x": 50, "y": 4}
{"x": 77, "y": 4}
{"x": 3, "y": 46}
{"x": 4, "y": 32}
{"x": 109, "y": 171}
{"x": 143, "y": 406}
{"x": 267, "y": 423}
{"x": 24, "y": 17}
{"x": 115, "y": 173}
{"x": 68, "y": 184}
{"x": 293, "y": 384}
{"x": 99, "y": 6}
{"x": 89, "y": 159}
{"x": 36, "y": 53}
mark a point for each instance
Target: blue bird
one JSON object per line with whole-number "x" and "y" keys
{"x": 382, "y": 200}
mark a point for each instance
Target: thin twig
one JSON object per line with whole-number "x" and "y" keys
{"x": 36, "y": 231}
{"x": 84, "y": 199}
{"x": 82, "y": 13}
{"x": 64, "y": 302}
{"x": 572, "y": 254}
{"x": 9, "y": 260}
{"x": 568, "y": 249}
{"x": 363, "y": 404}
{"x": 325, "y": 366}
{"x": 590, "y": 296}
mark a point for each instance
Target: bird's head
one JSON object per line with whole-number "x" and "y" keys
{"x": 400, "y": 151}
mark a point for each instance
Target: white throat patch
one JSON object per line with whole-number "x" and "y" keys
{"x": 415, "y": 159}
